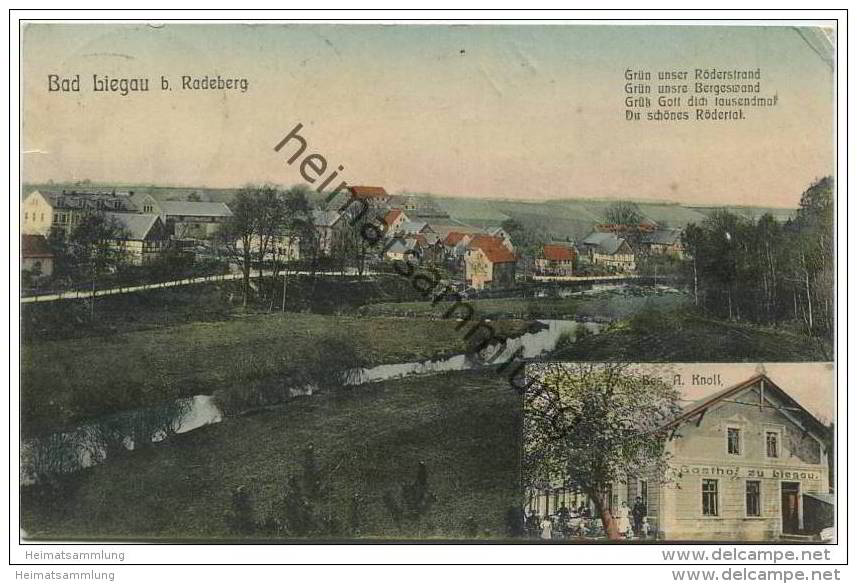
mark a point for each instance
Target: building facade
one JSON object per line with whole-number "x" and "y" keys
{"x": 664, "y": 242}
{"x": 143, "y": 237}
{"x": 44, "y": 212}
{"x": 555, "y": 260}
{"x": 747, "y": 463}
{"x": 610, "y": 251}
{"x": 489, "y": 266}
{"x": 188, "y": 219}
{"x": 37, "y": 259}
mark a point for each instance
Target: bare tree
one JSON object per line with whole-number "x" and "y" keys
{"x": 246, "y": 235}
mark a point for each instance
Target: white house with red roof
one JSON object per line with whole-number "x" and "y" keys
{"x": 555, "y": 260}
{"x": 394, "y": 219}
{"x": 489, "y": 264}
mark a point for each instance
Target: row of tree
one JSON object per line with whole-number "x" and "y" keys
{"x": 267, "y": 224}
{"x": 764, "y": 270}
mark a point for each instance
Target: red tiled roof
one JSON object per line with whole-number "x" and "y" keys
{"x": 368, "y": 192}
{"x": 453, "y": 237}
{"x": 35, "y": 246}
{"x": 558, "y": 253}
{"x": 392, "y": 215}
{"x": 495, "y": 252}
{"x": 489, "y": 240}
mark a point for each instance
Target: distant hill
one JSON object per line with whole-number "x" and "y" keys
{"x": 574, "y": 218}
{"x": 561, "y": 218}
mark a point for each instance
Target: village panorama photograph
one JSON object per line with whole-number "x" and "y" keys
{"x": 290, "y": 282}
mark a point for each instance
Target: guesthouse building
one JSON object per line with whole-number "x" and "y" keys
{"x": 745, "y": 463}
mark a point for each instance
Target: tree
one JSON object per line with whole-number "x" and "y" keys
{"x": 95, "y": 248}
{"x": 813, "y": 249}
{"x": 764, "y": 270}
{"x": 590, "y": 425}
{"x": 295, "y": 225}
{"x": 627, "y": 220}
{"x": 527, "y": 241}
{"x": 623, "y": 213}
{"x": 246, "y": 235}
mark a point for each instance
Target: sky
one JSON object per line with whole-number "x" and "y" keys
{"x": 812, "y": 385}
{"x": 517, "y": 111}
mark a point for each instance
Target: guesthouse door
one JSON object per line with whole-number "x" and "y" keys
{"x": 790, "y": 498}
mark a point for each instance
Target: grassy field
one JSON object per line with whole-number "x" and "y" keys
{"x": 464, "y": 426}
{"x": 208, "y": 302}
{"x": 66, "y": 381}
{"x": 685, "y": 337}
{"x": 608, "y": 305}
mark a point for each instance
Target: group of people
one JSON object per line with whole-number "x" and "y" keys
{"x": 630, "y": 521}
{"x": 633, "y": 522}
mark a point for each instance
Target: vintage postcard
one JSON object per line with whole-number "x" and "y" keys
{"x": 289, "y": 282}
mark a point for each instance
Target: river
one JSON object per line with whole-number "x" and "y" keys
{"x": 89, "y": 445}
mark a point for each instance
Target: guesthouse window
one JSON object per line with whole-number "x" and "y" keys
{"x": 753, "y": 497}
{"x": 709, "y": 497}
{"x": 772, "y": 444}
{"x": 733, "y": 441}
{"x": 644, "y": 492}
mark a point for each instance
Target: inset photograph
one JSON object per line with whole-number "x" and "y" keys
{"x": 679, "y": 452}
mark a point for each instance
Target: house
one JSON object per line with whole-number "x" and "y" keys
{"x": 280, "y": 247}
{"x": 555, "y": 260}
{"x": 186, "y": 219}
{"x": 405, "y": 202}
{"x": 43, "y": 212}
{"x": 374, "y": 197}
{"x": 502, "y": 235}
{"x": 327, "y": 224}
{"x": 433, "y": 249}
{"x": 746, "y": 463}
{"x": 393, "y": 219}
{"x": 664, "y": 242}
{"x": 609, "y": 250}
{"x": 144, "y": 236}
{"x": 37, "y": 259}
{"x": 456, "y": 244}
{"x": 489, "y": 264}
{"x": 415, "y": 228}
{"x": 401, "y": 249}
{"x": 746, "y": 458}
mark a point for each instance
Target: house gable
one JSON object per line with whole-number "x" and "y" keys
{"x": 753, "y": 407}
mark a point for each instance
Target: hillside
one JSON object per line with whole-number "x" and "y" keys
{"x": 574, "y": 217}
